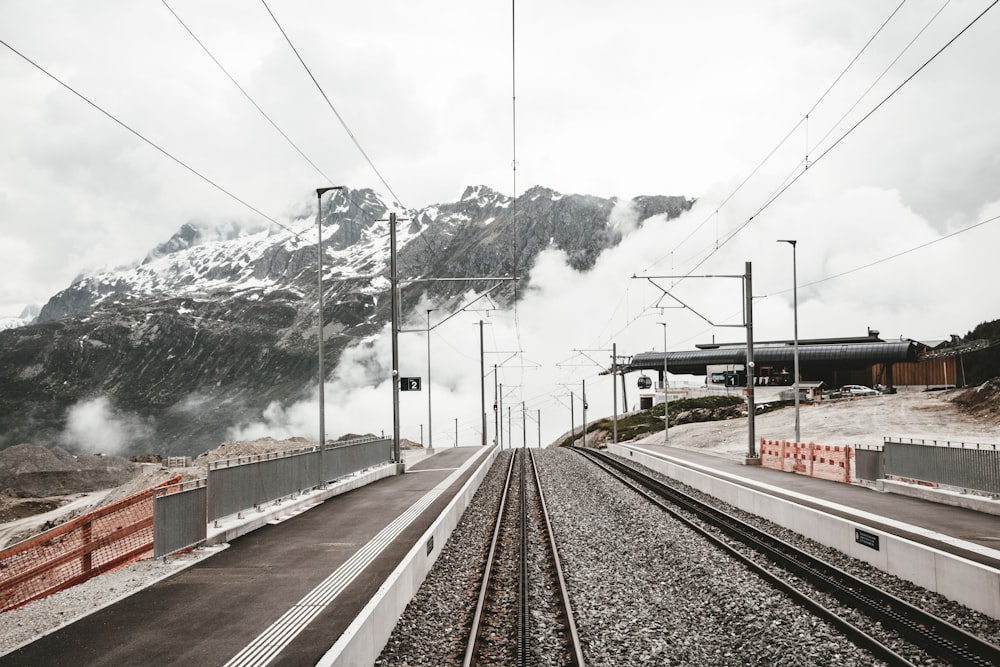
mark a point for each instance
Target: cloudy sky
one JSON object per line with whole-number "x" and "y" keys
{"x": 643, "y": 97}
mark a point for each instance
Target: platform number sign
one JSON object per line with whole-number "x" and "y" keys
{"x": 409, "y": 384}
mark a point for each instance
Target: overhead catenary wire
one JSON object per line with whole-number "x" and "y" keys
{"x": 148, "y": 141}
{"x": 246, "y": 94}
{"x": 791, "y": 132}
{"x": 851, "y": 130}
{"x": 878, "y": 78}
{"x": 343, "y": 123}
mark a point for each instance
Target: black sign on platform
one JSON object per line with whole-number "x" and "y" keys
{"x": 870, "y": 540}
{"x": 409, "y": 384}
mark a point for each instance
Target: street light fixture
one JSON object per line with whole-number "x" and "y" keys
{"x": 666, "y": 395}
{"x": 430, "y": 430}
{"x": 319, "y": 283}
{"x": 795, "y": 311}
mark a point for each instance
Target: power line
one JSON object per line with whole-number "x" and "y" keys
{"x": 901, "y": 253}
{"x": 826, "y": 152}
{"x": 343, "y": 123}
{"x": 148, "y": 142}
{"x": 246, "y": 94}
{"x": 881, "y": 76}
{"x": 250, "y": 99}
{"x": 782, "y": 142}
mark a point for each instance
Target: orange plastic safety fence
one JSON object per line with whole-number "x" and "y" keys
{"x": 830, "y": 462}
{"x": 96, "y": 542}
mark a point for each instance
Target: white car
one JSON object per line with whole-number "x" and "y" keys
{"x": 857, "y": 390}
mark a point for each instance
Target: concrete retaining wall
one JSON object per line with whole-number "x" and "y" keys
{"x": 972, "y": 584}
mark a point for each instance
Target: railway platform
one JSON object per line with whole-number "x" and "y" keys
{"x": 322, "y": 586}
{"x": 952, "y": 550}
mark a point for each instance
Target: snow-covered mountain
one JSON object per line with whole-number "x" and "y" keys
{"x": 215, "y": 324}
{"x": 27, "y": 316}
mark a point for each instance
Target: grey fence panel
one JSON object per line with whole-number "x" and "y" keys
{"x": 958, "y": 464}
{"x": 345, "y": 459}
{"x": 239, "y": 484}
{"x": 243, "y": 483}
{"x": 179, "y": 517}
{"x": 868, "y": 463}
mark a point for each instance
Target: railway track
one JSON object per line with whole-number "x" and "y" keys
{"x": 936, "y": 637}
{"x": 522, "y": 559}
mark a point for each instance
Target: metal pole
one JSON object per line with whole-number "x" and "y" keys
{"x": 394, "y": 280}
{"x": 500, "y": 401}
{"x": 584, "y": 412}
{"x": 430, "y": 422}
{"x": 524, "y": 427}
{"x": 614, "y": 389}
{"x": 510, "y": 431}
{"x": 572, "y": 421}
{"x": 752, "y": 458}
{"x": 319, "y": 290}
{"x": 482, "y": 383}
{"x": 496, "y": 413}
{"x": 795, "y": 311}
{"x": 666, "y": 394}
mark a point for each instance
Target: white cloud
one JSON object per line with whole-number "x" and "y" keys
{"x": 95, "y": 427}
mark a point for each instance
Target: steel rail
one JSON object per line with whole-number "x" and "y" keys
{"x": 576, "y": 648}
{"x": 935, "y": 635}
{"x": 523, "y": 583}
{"x": 472, "y": 647}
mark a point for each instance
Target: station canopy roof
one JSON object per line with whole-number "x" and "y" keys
{"x": 844, "y": 354}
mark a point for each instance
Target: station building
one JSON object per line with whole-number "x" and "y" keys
{"x": 823, "y": 362}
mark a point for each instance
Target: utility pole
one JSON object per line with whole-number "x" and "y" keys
{"x": 572, "y": 421}
{"x": 500, "y": 429}
{"x": 430, "y": 422}
{"x": 614, "y": 388}
{"x": 482, "y": 384}
{"x": 795, "y": 316}
{"x": 319, "y": 297}
{"x": 752, "y": 457}
{"x": 394, "y": 281}
{"x": 584, "y": 412}
{"x": 524, "y": 427}
{"x": 666, "y": 393}
{"x": 496, "y": 413}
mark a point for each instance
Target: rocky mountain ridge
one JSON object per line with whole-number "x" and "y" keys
{"x": 215, "y": 324}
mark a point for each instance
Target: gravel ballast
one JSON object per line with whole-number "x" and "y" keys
{"x": 644, "y": 589}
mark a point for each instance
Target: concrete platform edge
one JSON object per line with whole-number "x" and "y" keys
{"x": 938, "y": 495}
{"x": 364, "y": 639}
{"x": 959, "y": 579}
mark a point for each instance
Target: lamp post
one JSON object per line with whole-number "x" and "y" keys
{"x": 666, "y": 396}
{"x": 319, "y": 284}
{"x": 482, "y": 385}
{"x": 795, "y": 313}
{"x": 430, "y": 431}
